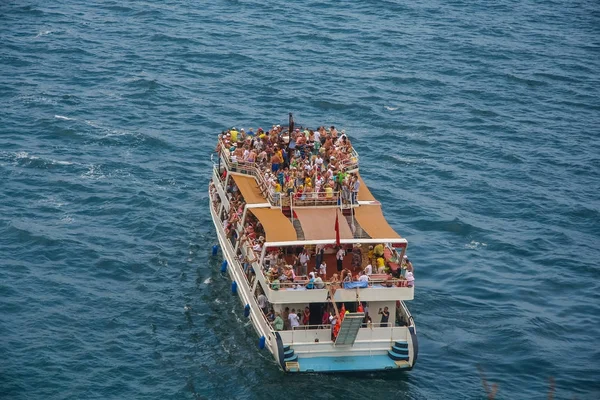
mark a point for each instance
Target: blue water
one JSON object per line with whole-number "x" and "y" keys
{"x": 478, "y": 125}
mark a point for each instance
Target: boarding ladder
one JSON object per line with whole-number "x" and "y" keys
{"x": 349, "y": 329}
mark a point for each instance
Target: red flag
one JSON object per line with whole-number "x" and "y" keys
{"x": 342, "y": 312}
{"x": 337, "y": 229}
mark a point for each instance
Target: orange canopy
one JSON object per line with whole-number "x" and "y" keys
{"x": 319, "y": 223}
{"x": 364, "y": 194}
{"x": 249, "y": 189}
{"x": 278, "y": 228}
{"x": 372, "y": 221}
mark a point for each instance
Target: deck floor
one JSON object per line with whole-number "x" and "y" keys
{"x": 346, "y": 364}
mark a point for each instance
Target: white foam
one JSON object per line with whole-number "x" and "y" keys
{"x": 61, "y": 162}
{"x": 43, "y": 33}
{"x": 475, "y": 245}
{"x": 64, "y": 118}
{"x": 391, "y": 108}
{"x": 207, "y": 281}
{"x": 94, "y": 172}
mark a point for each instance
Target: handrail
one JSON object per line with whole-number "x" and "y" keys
{"x": 375, "y": 283}
{"x": 307, "y": 327}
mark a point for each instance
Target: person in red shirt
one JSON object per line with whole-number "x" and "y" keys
{"x": 306, "y": 316}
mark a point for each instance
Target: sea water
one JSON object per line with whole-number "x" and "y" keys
{"x": 477, "y": 125}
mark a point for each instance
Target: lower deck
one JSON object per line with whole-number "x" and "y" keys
{"x": 349, "y": 364}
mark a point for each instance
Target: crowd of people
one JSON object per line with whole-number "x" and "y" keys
{"x": 293, "y": 270}
{"x": 284, "y": 271}
{"x": 326, "y": 318}
{"x": 307, "y": 164}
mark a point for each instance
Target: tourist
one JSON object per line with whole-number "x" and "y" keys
{"x": 368, "y": 270}
{"x": 303, "y": 259}
{"x": 363, "y": 277}
{"x": 325, "y": 318}
{"x": 380, "y": 265}
{"x": 385, "y": 316}
{"x": 278, "y": 322}
{"x": 339, "y": 256}
{"x": 323, "y": 270}
{"x": 294, "y": 320}
{"x": 263, "y": 302}
{"x": 319, "y": 284}
{"x": 355, "y": 185}
{"x": 271, "y": 315}
{"x": 319, "y": 252}
{"x": 286, "y": 318}
{"x": 306, "y": 316}
{"x": 410, "y": 278}
{"x": 378, "y": 250}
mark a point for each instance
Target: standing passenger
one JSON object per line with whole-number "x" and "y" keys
{"x": 340, "y": 258}
{"x": 385, "y": 316}
{"x": 294, "y": 320}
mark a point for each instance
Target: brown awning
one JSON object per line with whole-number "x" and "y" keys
{"x": 278, "y": 228}
{"x": 319, "y": 223}
{"x": 364, "y": 194}
{"x": 249, "y": 189}
{"x": 372, "y": 221}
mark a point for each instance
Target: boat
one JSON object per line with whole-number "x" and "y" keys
{"x": 318, "y": 270}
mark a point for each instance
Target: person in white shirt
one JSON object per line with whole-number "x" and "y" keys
{"x": 304, "y": 258}
{"x": 319, "y": 284}
{"x": 410, "y": 278}
{"x": 339, "y": 256}
{"x": 323, "y": 269}
{"x": 262, "y": 302}
{"x": 319, "y": 162}
{"x": 363, "y": 277}
{"x": 369, "y": 270}
{"x": 294, "y": 320}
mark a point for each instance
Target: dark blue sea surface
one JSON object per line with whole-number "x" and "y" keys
{"x": 478, "y": 126}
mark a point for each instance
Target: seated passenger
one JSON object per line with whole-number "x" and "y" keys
{"x": 363, "y": 277}
{"x": 319, "y": 284}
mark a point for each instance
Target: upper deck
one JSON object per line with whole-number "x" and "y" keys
{"x": 295, "y": 172}
{"x": 285, "y": 192}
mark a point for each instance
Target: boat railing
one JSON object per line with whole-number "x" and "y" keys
{"x": 302, "y": 284}
{"x": 307, "y": 327}
{"x": 314, "y": 199}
